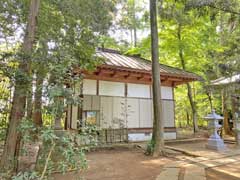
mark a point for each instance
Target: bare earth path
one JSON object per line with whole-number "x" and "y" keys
{"x": 132, "y": 164}
{"x": 119, "y": 164}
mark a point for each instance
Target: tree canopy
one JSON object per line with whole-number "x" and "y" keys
{"x": 42, "y": 42}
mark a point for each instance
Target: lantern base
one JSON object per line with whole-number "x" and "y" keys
{"x": 216, "y": 143}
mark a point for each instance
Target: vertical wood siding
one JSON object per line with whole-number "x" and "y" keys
{"x": 114, "y": 110}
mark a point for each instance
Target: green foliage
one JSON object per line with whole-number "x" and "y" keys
{"x": 27, "y": 129}
{"x": 25, "y": 176}
{"x": 4, "y": 105}
{"x": 202, "y": 51}
{"x": 68, "y": 32}
{"x": 198, "y": 41}
{"x": 130, "y": 14}
{"x": 88, "y": 135}
{"x": 66, "y": 37}
{"x": 150, "y": 147}
{"x": 131, "y": 17}
{"x": 111, "y": 43}
{"x": 59, "y": 152}
{"x": 47, "y": 135}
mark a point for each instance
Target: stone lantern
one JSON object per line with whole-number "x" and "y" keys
{"x": 215, "y": 142}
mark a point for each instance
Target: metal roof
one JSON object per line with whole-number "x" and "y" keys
{"x": 115, "y": 59}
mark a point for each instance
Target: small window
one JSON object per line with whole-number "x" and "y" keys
{"x": 91, "y": 117}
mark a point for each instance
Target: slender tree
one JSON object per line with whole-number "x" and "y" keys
{"x": 134, "y": 22}
{"x": 56, "y": 36}
{"x": 189, "y": 89}
{"x": 37, "y": 113}
{"x": 10, "y": 151}
{"x": 29, "y": 103}
{"x": 158, "y": 129}
{"x": 132, "y": 18}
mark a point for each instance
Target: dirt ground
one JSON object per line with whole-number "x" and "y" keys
{"x": 119, "y": 164}
{"x": 132, "y": 164}
{"x": 187, "y": 132}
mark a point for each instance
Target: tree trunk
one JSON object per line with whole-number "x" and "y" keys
{"x": 210, "y": 100}
{"x": 132, "y": 40}
{"x": 193, "y": 107}
{"x": 158, "y": 129}
{"x": 188, "y": 119}
{"x": 10, "y": 152}
{"x": 135, "y": 24}
{"x": 29, "y": 99}
{"x": 135, "y": 36}
{"x": 37, "y": 115}
{"x": 189, "y": 89}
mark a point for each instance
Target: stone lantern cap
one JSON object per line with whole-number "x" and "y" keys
{"x": 213, "y": 116}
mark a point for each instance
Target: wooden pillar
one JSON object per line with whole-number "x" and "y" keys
{"x": 236, "y": 117}
{"x": 59, "y": 101}
{"x": 225, "y": 113}
{"x": 80, "y": 106}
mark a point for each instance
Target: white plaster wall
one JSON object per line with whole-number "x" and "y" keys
{"x": 89, "y": 87}
{"x": 147, "y": 137}
{"x": 139, "y": 137}
{"x": 170, "y": 135}
{"x": 167, "y": 92}
{"x": 138, "y": 90}
{"x": 107, "y": 88}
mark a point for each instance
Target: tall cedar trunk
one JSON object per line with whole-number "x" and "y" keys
{"x": 10, "y": 152}
{"x": 189, "y": 89}
{"x": 29, "y": 99}
{"x": 225, "y": 113}
{"x": 37, "y": 114}
{"x": 158, "y": 129}
{"x": 135, "y": 24}
{"x": 135, "y": 36}
{"x": 132, "y": 40}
